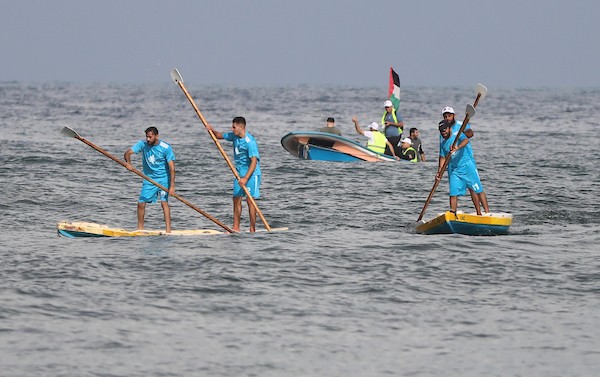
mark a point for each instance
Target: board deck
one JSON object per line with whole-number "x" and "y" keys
{"x": 77, "y": 229}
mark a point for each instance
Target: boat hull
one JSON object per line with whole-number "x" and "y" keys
{"x": 471, "y": 224}
{"x": 323, "y": 146}
{"x": 80, "y": 229}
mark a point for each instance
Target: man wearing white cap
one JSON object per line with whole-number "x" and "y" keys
{"x": 377, "y": 141}
{"x": 407, "y": 151}
{"x": 449, "y": 115}
{"x": 454, "y": 125}
{"x": 393, "y": 123}
{"x": 449, "y": 118}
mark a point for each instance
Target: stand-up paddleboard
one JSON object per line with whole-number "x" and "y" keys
{"x": 324, "y": 146}
{"x": 77, "y": 229}
{"x": 489, "y": 224}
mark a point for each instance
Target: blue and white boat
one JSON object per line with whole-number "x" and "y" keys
{"x": 324, "y": 146}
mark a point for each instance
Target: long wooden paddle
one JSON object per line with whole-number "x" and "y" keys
{"x": 470, "y": 112}
{"x": 72, "y": 133}
{"x": 176, "y": 76}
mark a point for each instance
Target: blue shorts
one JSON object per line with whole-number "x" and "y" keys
{"x": 460, "y": 182}
{"x": 150, "y": 193}
{"x": 253, "y": 186}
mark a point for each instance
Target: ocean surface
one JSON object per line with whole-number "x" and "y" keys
{"x": 349, "y": 290}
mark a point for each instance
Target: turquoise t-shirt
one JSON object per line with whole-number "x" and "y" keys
{"x": 155, "y": 159}
{"x": 243, "y": 150}
{"x": 461, "y": 160}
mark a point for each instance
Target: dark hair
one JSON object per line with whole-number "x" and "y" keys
{"x": 239, "y": 120}
{"x": 413, "y": 130}
{"x": 154, "y": 130}
{"x": 330, "y": 119}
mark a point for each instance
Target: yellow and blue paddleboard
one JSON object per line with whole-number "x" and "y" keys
{"x": 489, "y": 224}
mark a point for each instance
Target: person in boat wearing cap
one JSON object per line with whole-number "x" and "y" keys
{"x": 247, "y": 165}
{"x": 158, "y": 161}
{"x": 449, "y": 115}
{"x": 393, "y": 125}
{"x": 462, "y": 172}
{"x": 331, "y": 128}
{"x": 377, "y": 141}
{"x": 416, "y": 144}
{"x": 407, "y": 152}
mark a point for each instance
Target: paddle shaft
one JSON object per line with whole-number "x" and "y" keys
{"x": 184, "y": 201}
{"x": 476, "y": 100}
{"x": 216, "y": 141}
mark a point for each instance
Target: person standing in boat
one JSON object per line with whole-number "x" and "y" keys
{"x": 393, "y": 125}
{"x": 331, "y": 128}
{"x": 406, "y": 151}
{"x": 158, "y": 161}
{"x": 450, "y": 117}
{"x": 416, "y": 144}
{"x": 377, "y": 141}
{"x": 247, "y": 164}
{"x": 462, "y": 172}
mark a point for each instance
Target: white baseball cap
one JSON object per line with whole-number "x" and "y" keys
{"x": 407, "y": 140}
{"x": 448, "y": 109}
{"x": 374, "y": 126}
{"x": 388, "y": 103}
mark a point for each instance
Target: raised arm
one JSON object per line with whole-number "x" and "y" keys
{"x": 357, "y": 127}
{"x": 218, "y": 135}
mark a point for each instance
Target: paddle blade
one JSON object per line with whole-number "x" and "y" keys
{"x": 470, "y": 111}
{"x": 69, "y": 132}
{"x": 176, "y": 76}
{"x": 481, "y": 91}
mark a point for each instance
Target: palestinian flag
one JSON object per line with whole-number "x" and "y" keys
{"x": 394, "y": 89}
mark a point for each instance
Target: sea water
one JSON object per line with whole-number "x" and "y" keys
{"x": 349, "y": 290}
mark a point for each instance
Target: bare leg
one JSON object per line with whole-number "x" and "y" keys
{"x": 475, "y": 199}
{"x": 252, "y": 214}
{"x": 237, "y": 212}
{"x": 141, "y": 211}
{"x": 453, "y": 203}
{"x": 484, "y": 202}
{"x": 167, "y": 213}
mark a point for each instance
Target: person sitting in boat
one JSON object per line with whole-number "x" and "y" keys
{"x": 377, "y": 140}
{"x": 331, "y": 128}
{"x": 407, "y": 152}
{"x": 416, "y": 144}
{"x": 393, "y": 125}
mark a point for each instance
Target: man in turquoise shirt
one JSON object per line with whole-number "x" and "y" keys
{"x": 247, "y": 164}
{"x": 158, "y": 161}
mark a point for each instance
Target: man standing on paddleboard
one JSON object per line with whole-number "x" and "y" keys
{"x": 159, "y": 164}
{"x": 462, "y": 172}
{"x": 247, "y": 165}
{"x": 449, "y": 116}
